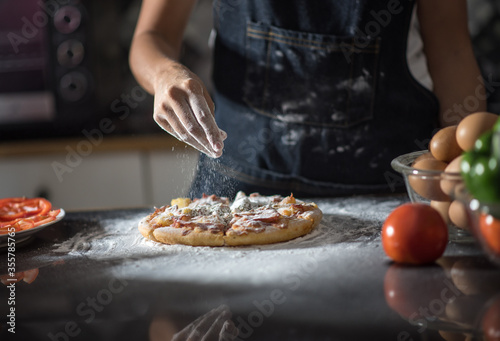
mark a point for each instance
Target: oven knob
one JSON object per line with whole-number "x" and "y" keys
{"x": 70, "y": 53}
{"x": 73, "y": 86}
{"x": 67, "y": 19}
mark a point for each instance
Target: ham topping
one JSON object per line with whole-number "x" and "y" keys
{"x": 267, "y": 215}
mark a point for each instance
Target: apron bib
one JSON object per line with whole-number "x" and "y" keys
{"x": 316, "y": 97}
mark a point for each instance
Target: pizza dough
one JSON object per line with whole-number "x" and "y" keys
{"x": 214, "y": 221}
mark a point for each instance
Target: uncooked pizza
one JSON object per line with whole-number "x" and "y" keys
{"x": 215, "y": 221}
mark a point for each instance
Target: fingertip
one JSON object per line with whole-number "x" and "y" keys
{"x": 216, "y": 154}
{"x": 223, "y": 134}
{"x": 218, "y": 146}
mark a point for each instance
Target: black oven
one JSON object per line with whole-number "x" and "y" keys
{"x": 64, "y": 66}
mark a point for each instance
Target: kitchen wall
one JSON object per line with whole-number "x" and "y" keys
{"x": 135, "y": 163}
{"x": 142, "y": 171}
{"x": 117, "y": 172}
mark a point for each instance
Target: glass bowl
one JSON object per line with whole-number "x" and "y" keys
{"x": 436, "y": 188}
{"x": 484, "y": 221}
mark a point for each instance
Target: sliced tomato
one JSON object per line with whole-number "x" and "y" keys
{"x": 45, "y": 205}
{"x": 7, "y": 279}
{"x": 23, "y": 224}
{"x": 10, "y": 209}
{"x": 6, "y": 200}
{"x": 44, "y": 221}
{"x": 7, "y": 224}
{"x": 15, "y": 208}
{"x": 23, "y": 213}
{"x": 30, "y": 275}
{"x": 54, "y": 213}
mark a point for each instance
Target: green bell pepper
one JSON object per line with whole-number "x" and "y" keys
{"x": 480, "y": 167}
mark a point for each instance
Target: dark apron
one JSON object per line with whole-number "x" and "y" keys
{"x": 316, "y": 97}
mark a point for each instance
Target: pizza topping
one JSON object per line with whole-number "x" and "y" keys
{"x": 218, "y": 209}
{"x": 210, "y": 199}
{"x": 198, "y": 224}
{"x": 288, "y": 200}
{"x": 246, "y": 214}
{"x": 164, "y": 216}
{"x": 245, "y": 225}
{"x": 266, "y": 215}
{"x": 180, "y": 202}
{"x": 294, "y": 209}
{"x": 243, "y": 203}
{"x": 256, "y": 221}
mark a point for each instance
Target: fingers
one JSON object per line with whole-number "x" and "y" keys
{"x": 186, "y": 110}
{"x": 223, "y": 134}
{"x": 169, "y": 121}
{"x": 223, "y": 314}
{"x": 213, "y": 326}
{"x": 204, "y": 116}
{"x": 211, "y": 105}
{"x": 228, "y": 332}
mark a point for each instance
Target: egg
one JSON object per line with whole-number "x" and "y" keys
{"x": 442, "y": 207}
{"x": 462, "y": 310}
{"x": 452, "y": 336}
{"x": 444, "y": 146}
{"x": 452, "y": 177}
{"x": 467, "y": 274}
{"x": 458, "y": 215}
{"x": 428, "y": 186}
{"x": 472, "y": 126}
{"x": 427, "y": 155}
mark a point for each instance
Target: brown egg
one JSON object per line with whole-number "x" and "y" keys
{"x": 472, "y": 126}
{"x": 464, "y": 310}
{"x": 447, "y": 263}
{"x": 452, "y": 336}
{"x": 428, "y": 186}
{"x": 458, "y": 215}
{"x": 475, "y": 276}
{"x": 452, "y": 177}
{"x": 442, "y": 207}
{"x": 444, "y": 146}
{"x": 424, "y": 156}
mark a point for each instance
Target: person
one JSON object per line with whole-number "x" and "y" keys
{"x": 313, "y": 98}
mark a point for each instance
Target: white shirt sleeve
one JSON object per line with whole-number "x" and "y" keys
{"x": 417, "y": 62}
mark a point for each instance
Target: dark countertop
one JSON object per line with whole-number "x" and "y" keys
{"x": 99, "y": 279}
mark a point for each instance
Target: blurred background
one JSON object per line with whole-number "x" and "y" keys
{"x": 76, "y": 128}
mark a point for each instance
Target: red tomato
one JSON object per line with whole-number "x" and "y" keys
{"x": 412, "y": 295}
{"x": 490, "y": 230}
{"x": 414, "y": 233}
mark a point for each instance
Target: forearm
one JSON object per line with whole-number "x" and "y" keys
{"x": 452, "y": 65}
{"x": 458, "y": 84}
{"x": 182, "y": 105}
{"x": 157, "y": 40}
{"x": 150, "y": 58}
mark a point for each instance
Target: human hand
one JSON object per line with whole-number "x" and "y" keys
{"x": 216, "y": 325}
{"x": 183, "y": 108}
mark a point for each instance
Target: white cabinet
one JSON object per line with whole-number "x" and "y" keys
{"x": 171, "y": 174}
{"x": 131, "y": 176}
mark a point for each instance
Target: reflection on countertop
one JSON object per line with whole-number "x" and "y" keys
{"x": 98, "y": 277}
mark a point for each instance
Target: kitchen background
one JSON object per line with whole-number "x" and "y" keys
{"x": 76, "y": 128}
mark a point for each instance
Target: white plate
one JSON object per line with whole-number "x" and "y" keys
{"x": 23, "y": 236}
